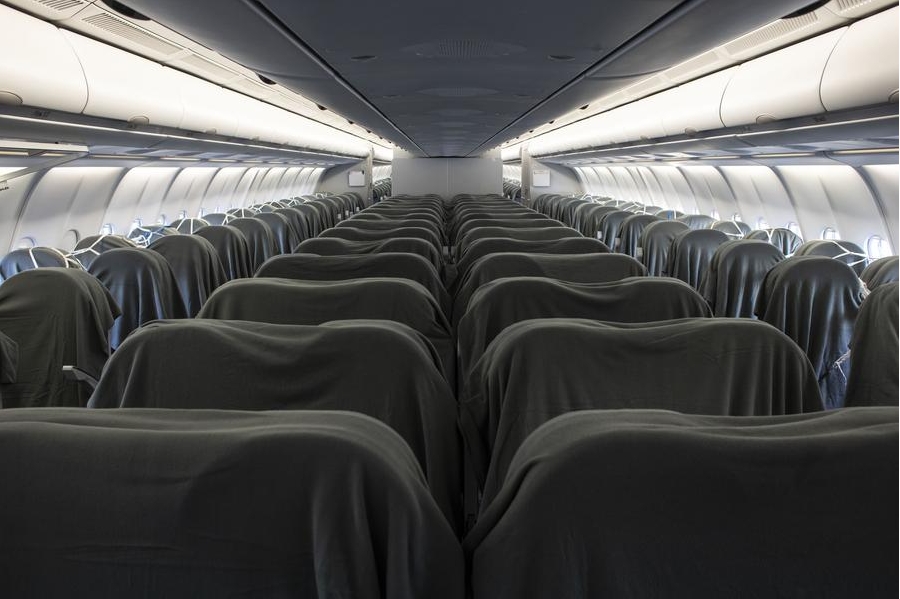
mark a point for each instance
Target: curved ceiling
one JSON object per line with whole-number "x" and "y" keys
{"x": 457, "y": 78}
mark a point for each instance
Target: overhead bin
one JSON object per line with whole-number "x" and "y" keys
{"x": 126, "y": 87}
{"x": 698, "y": 104}
{"x": 779, "y": 85}
{"x": 862, "y": 69}
{"x": 208, "y": 107}
{"x": 41, "y": 68}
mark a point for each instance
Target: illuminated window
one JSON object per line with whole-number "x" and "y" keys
{"x": 714, "y": 214}
{"x": 876, "y": 247}
{"x": 107, "y": 229}
{"x": 162, "y": 220}
{"x": 829, "y": 233}
{"x": 136, "y": 223}
{"x": 27, "y": 242}
{"x": 794, "y": 228}
{"x": 736, "y": 218}
{"x": 182, "y": 215}
{"x": 761, "y": 223}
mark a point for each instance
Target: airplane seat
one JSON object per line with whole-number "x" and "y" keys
{"x": 88, "y": 248}
{"x": 881, "y": 271}
{"x": 282, "y": 232}
{"x": 568, "y": 211}
{"x": 503, "y": 302}
{"x": 144, "y": 236}
{"x": 461, "y": 219}
{"x": 196, "y": 265}
{"x": 571, "y": 268}
{"x": 333, "y": 246}
{"x": 513, "y": 222}
{"x": 298, "y": 222}
{"x": 9, "y": 362}
{"x": 538, "y": 369}
{"x": 656, "y": 239}
{"x": 56, "y": 317}
{"x": 697, "y": 221}
{"x": 379, "y": 368}
{"x": 733, "y": 228}
{"x": 313, "y": 219}
{"x": 691, "y": 252}
{"x": 288, "y": 301}
{"x": 24, "y": 259}
{"x": 630, "y": 234}
{"x": 216, "y": 504}
{"x": 492, "y": 245}
{"x": 355, "y": 222}
{"x": 217, "y": 218}
{"x": 240, "y": 212}
{"x": 538, "y": 233}
{"x": 872, "y": 378}
{"x": 351, "y": 233}
{"x": 609, "y": 225}
{"x": 310, "y": 267}
{"x": 260, "y": 239}
{"x": 784, "y": 239}
{"x": 669, "y": 214}
{"x": 845, "y": 251}
{"x": 815, "y": 300}
{"x": 188, "y": 226}
{"x": 143, "y": 285}
{"x": 590, "y": 224}
{"x": 735, "y": 276}
{"x": 232, "y": 247}
{"x": 578, "y": 215}
{"x": 628, "y": 503}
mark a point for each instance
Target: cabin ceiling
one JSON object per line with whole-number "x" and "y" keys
{"x": 458, "y": 78}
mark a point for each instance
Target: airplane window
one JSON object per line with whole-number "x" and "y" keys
{"x": 761, "y": 223}
{"x": 107, "y": 229}
{"x": 27, "y": 242}
{"x": 877, "y": 247}
{"x": 736, "y": 217}
{"x": 182, "y": 214}
{"x": 794, "y": 227}
{"x": 714, "y": 214}
{"x": 162, "y": 220}
{"x": 830, "y": 233}
{"x": 138, "y": 222}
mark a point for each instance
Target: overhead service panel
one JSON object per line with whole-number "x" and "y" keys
{"x": 41, "y": 68}
{"x": 862, "y": 69}
{"x": 780, "y": 85}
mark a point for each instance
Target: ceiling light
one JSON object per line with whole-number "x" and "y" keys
{"x": 180, "y": 159}
{"x": 726, "y": 157}
{"x": 869, "y": 151}
{"x": 785, "y": 155}
{"x": 13, "y": 153}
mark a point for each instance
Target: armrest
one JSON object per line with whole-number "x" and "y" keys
{"x": 75, "y": 374}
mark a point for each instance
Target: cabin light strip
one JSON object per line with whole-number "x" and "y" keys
{"x": 170, "y": 136}
{"x": 785, "y": 155}
{"x": 867, "y": 151}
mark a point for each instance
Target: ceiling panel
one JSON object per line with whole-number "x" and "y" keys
{"x": 456, "y": 78}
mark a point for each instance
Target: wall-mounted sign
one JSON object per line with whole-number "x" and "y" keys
{"x": 357, "y": 179}
{"x": 540, "y": 178}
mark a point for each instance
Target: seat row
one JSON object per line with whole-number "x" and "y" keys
{"x": 286, "y": 343}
